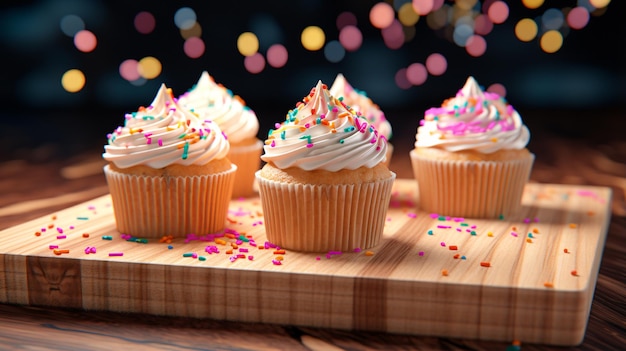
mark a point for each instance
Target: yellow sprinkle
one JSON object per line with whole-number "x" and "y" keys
{"x": 369, "y": 253}
{"x": 489, "y": 234}
{"x": 573, "y": 225}
{"x": 494, "y": 140}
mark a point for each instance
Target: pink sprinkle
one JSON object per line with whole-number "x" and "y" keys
{"x": 52, "y": 247}
{"x": 459, "y": 229}
{"x": 514, "y": 234}
{"x": 526, "y": 220}
{"x": 116, "y": 254}
{"x": 194, "y": 255}
{"x": 276, "y": 125}
{"x": 276, "y": 262}
{"x": 60, "y": 230}
{"x": 224, "y": 134}
{"x": 411, "y": 215}
{"x": 273, "y": 144}
{"x": 317, "y": 258}
{"x": 309, "y": 145}
{"x": 434, "y": 215}
{"x": 71, "y": 227}
{"x": 160, "y": 142}
{"x": 61, "y": 236}
{"x": 243, "y": 250}
{"x": 458, "y": 219}
{"x": 92, "y": 250}
{"x": 536, "y": 219}
{"x": 87, "y": 250}
{"x": 421, "y": 253}
{"x": 443, "y": 244}
{"x": 358, "y": 249}
{"x": 444, "y": 226}
{"x": 250, "y": 257}
{"x": 473, "y": 227}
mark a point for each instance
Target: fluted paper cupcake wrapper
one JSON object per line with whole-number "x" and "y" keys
{"x": 322, "y": 218}
{"x": 248, "y": 161}
{"x": 478, "y": 189}
{"x": 153, "y": 207}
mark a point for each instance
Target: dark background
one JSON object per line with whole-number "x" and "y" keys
{"x": 567, "y": 92}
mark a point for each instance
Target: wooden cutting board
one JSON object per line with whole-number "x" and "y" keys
{"x": 530, "y": 277}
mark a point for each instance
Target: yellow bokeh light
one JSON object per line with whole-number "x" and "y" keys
{"x": 313, "y": 38}
{"x": 599, "y": 3}
{"x": 407, "y": 15}
{"x": 248, "y": 44}
{"x": 149, "y": 67}
{"x": 73, "y": 80}
{"x": 551, "y": 41}
{"x": 465, "y": 4}
{"x": 193, "y": 31}
{"x": 532, "y": 4}
{"x": 526, "y": 29}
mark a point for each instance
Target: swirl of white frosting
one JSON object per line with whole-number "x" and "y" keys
{"x": 361, "y": 103}
{"x": 473, "y": 120}
{"x": 214, "y": 102}
{"x": 164, "y": 134}
{"x": 322, "y": 133}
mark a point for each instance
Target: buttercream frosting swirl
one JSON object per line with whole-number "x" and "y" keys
{"x": 213, "y": 101}
{"x": 164, "y": 134}
{"x": 322, "y": 133}
{"x": 362, "y": 104}
{"x": 473, "y": 120}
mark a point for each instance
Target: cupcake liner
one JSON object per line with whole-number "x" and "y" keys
{"x": 322, "y": 218}
{"x": 153, "y": 207}
{"x": 478, "y": 189}
{"x": 248, "y": 161}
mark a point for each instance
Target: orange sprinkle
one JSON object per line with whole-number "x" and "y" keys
{"x": 369, "y": 253}
{"x": 535, "y": 230}
{"x": 590, "y": 213}
{"x": 220, "y": 241}
{"x": 50, "y": 226}
{"x": 302, "y": 129}
{"x": 453, "y": 247}
{"x": 444, "y": 272}
{"x": 494, "y": 140}
{"x": 514, "y": 228}
{"x": 234, "y": 246}
{"x": 229, "y": 252}
{"x": 548, "y": 285}
{"x": 456, "y": 256}
{"x": 231, "y": 220}
{"x": 37, "y": 233}
{"x": 279, "y": 258}
{"x": 516, "y": 343}
{"x": 85, "y": 235}
{"x": 574, "y": 273}
{"x": 54, "y": 217}
{"x": 565, "y": 250}
{"x": 279, "y": 252}
{"x": 61, "y": 251}
{"x": 261, "y": 247}
{"x": 573, "y": 225}
{"x": 529, "y": 240}
{"x": 229, "y": 235}
{"x": 485, "y": 264}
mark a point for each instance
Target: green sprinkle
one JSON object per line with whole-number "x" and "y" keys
{"x": 464, "y": 224}
{"x": 243, "y": 238}
{"x": 473, "y": 232}
{"x": 430, "y": 232}
{"x": 185, "y": 151}
{"x": 201, "y": 258}
{"x": 441, "y": 218}
{"x": 283, "y": 134}
{"x": 182, "y": 136}
{"x": 146, "y": 118}
{"x": 501, "y": 217}
{"x": 188, "y": 254}
{"x": 82, "y": 218}
{"x": 341, "y": 141}
{"x": 107, "y": 237}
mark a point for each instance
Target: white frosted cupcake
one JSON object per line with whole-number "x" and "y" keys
{"x": 168, "y": 172}
{"x": 212, "y": 101}
{"x": 363, "y": 105}
{"x": 324, "y": 186}
{"x": 470, "y": 157}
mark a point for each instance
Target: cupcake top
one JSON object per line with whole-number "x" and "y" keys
{"x": 362, "y": 104}
{"x": 322, "y": 133}
{"x": 164, "y": 134}
{"x": 473, "y": 120}
{"x": 213, "y": 101}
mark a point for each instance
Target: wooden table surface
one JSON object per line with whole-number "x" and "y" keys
{"x": 39, "y": 181}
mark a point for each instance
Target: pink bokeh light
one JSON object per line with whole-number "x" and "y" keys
{"x": 350, "y": 38}
{"x": 277, "y": 56}
{"x": 254, "y": 63}
{"x": 85, "y": 41}
{"x": 416, "y": 73}
{"x": 194, "y": 47}
{"x": 436, "y": 64}
{"x": 144, "y": 22}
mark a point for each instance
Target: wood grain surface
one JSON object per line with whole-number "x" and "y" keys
{"x": 37, "y": 184}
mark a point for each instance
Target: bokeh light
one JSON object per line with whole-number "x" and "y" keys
{"x": 476, "y": 45}
{"x": 149, "y": 67}
{"x": 552, "y": 19}
{"x": 85, "y": 41}
{"x": 144, "y": 22}
{"x": 313, "y": 38}
{"x": 482, "y": 25}
{"x": 71, "y": 24}
{"x": 437, "y": 19}
{"x": 382, "y": 15}
{"x": 465, "y": 4}
{"x": 497, "y": 88}
{"x": 551, "y": 41}
{"x": 267, "y": 29}
{"x": 247, "y": 44}
{"x": 526, "y": 29}
{"x": 393, "y": 35}
{"x": 254, "y": 63}
{"x": 73, "y": 80}
{"x": 185, "y": 17}
{"x": 401, "y": 79}
{"x": 436, "y": 64}
{"x": 351, "y": 38}
{"x": 498, "y": 12}
{"x": 194, "y": 31}
{"x": 129, "y": 70}
{"x": 416, "y": 73}
{"x": 277, "y": 55}
{"x": 578, "y": 17}
{"x": 194, "y": 47}
{"x": 407, "y": 15}
{"x": 599, "y": 3}
{"x": 346, "y": 18}
{"x": 461, "y": 34}
{"x": 532, "y": 4}
{"x": 334, "y": 51}
{"x": 422, "y": 7}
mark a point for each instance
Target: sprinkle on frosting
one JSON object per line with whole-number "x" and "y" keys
{"x": 322, "y": 132}
{"x": 182, "y": 137}
{"x": 473, "y": 120}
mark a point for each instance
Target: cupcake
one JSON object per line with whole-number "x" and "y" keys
{"x": 239, "y": 123}
{"x": 324, "y": 186}
{"x": 470, "y": 157}
{"x": 168, "y": 172}
{"x": 363, "y": 105}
